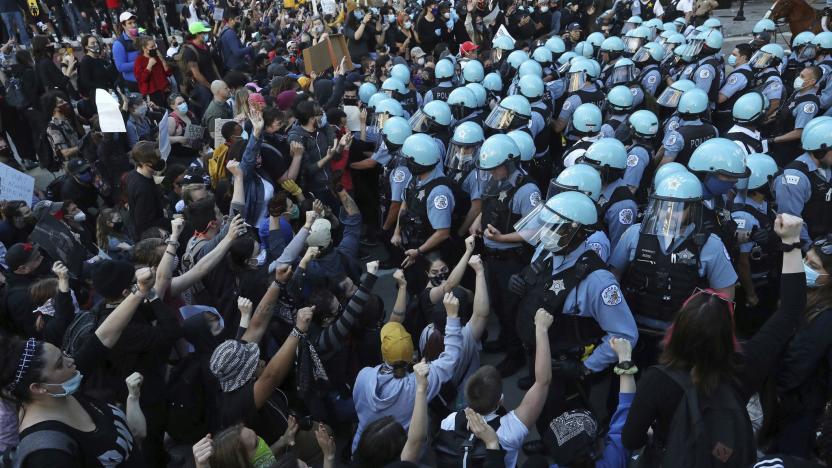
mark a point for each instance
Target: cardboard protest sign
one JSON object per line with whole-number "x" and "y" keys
{"x": 59, "y": 243}
{"x": 15, "y": 185}
{"x": 327, "y": 54}
{"x": 193, "y": 135}
{"x": 218, "y": 139}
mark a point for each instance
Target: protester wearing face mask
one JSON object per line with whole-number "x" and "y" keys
{"x": 431, "y": 28}
{"x": 138, "y": 124}
{"x": 200, "y": 63}
{"x": 152, "y": 72}
{"x": 82, "y": 226}
{"x": 145, "y": 201}
{"x": 18, "y": 222}
{"x": 61, "y": 131}
{"x": 94, "y": 70}
{"x": 110, "y": 236}
{"x": 45, "y": 382}
{"x": 79, "y": 186}
{"x": 361, "y": 32}
{"x": 124, "y": 50}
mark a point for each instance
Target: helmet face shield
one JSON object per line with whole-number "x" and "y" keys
{"x": 545, "y": 227}
{"x": 421, "y": 122}
{"x": 575, "y": 81}
{"x": 761, "y": 60}
{"x": 670, "y": 97}
{"x": 622, "y": 75}
{"x": 641, "y": 55}
{"x": 502, "y": 119}
{"x": 806, "y": 52}
{"x": 461, "y": 156}
{"x": 379, "y": 119}
{"x": 693, "y": 47}
{"x": 628, "y": 26}
{"x": 671, "y": 219}
{"x": 632, "y": 44}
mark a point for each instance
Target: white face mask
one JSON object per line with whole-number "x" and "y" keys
{"x": 447, "y": 15}
{"x": 391, "y": 19}
{"x": 544, "y": 9}
{"x": 80, "y": 217}
{"x": 550, "y": 242}
{"x": 408, "y": 24}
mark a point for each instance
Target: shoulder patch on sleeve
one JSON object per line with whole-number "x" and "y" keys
{"x": 611, "y": 295}
{"x": 440, "y": 202}
{"x": 652, "y": 79}
{"x": 671, "y": 139}
{"x": 704, "y": 73}
{"x": 534, "y": 198}
{"x": 398, "y": 176}
{"x": 632, "y": 160}
{"x": 566, "y": 105}
{"x": 775, "y": 85}
{"x": 810, "y": 108}
{"x": 625, "y": 216}
{"x": 740, "y": 223}
{"x": 673, "y": 125}
{"x": 733, "y": 79}
{"x": 634, "y": 91}
{"x": 791, "y": 179}
{"x": 595, "y": 246}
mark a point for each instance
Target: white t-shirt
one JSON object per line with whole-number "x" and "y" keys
{"x": 511, "y": 434}
{"x": 685, "y": 6}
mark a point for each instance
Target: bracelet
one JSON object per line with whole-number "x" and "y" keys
{"x": 170, "y": 253}
{"x": 297, "y": 333}
{"x": 173, "y": 243}
{"x": 625, "y": 368}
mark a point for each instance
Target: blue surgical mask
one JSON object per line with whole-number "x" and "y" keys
{"x": 732, "y": 60}
{"x": 715, "y": 186}
{"x": 85, "y": 177}
{"x": 811, "y": 275}
{"x": 359, "y": 15}
{"x": 294, "y": 212}
{"x": 798, "y": 83}
{"x": 183, "y": 108}
{"x": 69, "y": 387}
{"x": 206, "y": 37}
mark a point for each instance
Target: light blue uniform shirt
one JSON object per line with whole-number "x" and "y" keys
{"x": 793, "y": 189}
{"x": 524, "y": 200}
{"x": 674, "y": 142}
{"x": 620, "y": 215}
{"x": 440, "y": 201}
{"x": 638, "y": 158}
{"x": 746, "y": 220}
{"x": 736, "y": 81}
{"x": 714, "y": 261}
{"x": 773, "y": 86}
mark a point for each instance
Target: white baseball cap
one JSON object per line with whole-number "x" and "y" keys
{"x": 125, "y": 16}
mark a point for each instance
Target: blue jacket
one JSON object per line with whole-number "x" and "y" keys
{"x": 234, "y": 55}
{"x": 255, "y": 195}
{"x": 125, "y": 57}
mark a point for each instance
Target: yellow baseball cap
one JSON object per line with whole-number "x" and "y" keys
{"x": 396, "y": 343}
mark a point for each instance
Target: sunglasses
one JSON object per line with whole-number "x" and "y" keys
{"x": 718, "y": 295}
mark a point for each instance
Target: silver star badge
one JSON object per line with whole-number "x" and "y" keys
{"x": 421, "y": 195}
{"x": 503, "y": 196}
{"x": 557, "y": 286}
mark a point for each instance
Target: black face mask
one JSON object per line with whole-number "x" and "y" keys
{"x": 438, "y": 279}
{"x": 118, "y": 226}
{"x": 153, "y": 52}
{"x": 351, "y": 101}
{"x": 417, "y": 169}
{"x": 159, "y": 165}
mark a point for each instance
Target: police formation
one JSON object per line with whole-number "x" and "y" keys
{"x": 629, "y": 227}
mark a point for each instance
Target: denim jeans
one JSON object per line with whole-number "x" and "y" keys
{"x": 12, "y": 18}
{"x": 73, "y": 18}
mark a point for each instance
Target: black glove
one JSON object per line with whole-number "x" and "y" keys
{"x": 761, "y": 236}
{"x": 517, "y": 285}
{"x": 569, "y": 369}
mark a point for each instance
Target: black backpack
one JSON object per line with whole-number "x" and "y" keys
{"x": 38, "y": 440}
{"x": 460, "y": 447}
{"x": 707, "y": 431}
{"x": 15, "y": 97}
{"x": 53, "y": 190}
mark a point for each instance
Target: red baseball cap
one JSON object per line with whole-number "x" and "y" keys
{"x": 467, "y": 46}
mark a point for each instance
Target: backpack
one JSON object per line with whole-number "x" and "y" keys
{"x": 38, "y": 440}
{"x": 216, "y": 165}
{"x": 53, "y": 190}
{"x": 460, "y": 447}
{"x": 14, "y": 93}
{"x": 707, "y": 430}
{"x": 79, "y": 330}
{"x": 47, "y": 159}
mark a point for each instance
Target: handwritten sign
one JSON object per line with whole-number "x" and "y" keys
{"x": 15, "y": 185}
{"x": 193, "y": 135}
{"x": 218, "y": 14}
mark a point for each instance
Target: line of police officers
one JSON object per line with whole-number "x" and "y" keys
{"x": 629, "y": 228}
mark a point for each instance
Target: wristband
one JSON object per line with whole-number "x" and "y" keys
{"x": 789, "y": 247}
{"x": 297, "y": 333}
{"x": 625, "y": 368}
{"x": 173, "y": 243}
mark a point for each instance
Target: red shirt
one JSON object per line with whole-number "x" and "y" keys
{"x": 342, "y": 163}
{"x": 151, "y": 81}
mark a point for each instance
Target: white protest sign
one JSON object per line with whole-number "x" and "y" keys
{"x": 353, "y": 118}
{"x": 109, "y": 114}
{"x": 164, "y": 138}
{"x": 15, "y": 185}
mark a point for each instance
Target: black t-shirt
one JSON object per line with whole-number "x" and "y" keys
{"x": 428, "y": 36}
{"x": 269, "y": 422}
{"x": 146, "y": 204}
{"x": 203, "y": 59}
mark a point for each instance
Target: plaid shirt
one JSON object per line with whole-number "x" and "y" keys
{"x": 61, "y": 135}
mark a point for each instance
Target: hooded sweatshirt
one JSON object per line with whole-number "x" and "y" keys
{"x": 378, "y": 393}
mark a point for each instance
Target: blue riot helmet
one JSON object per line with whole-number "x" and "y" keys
{"x": 511, "y": 113}
{"x": 803, "y": 47}
{"x": 672, "y": 94}
{"x": 644, "y": 124}
{"x": 578, "y": 74}
{"x": 823, "y": 41}
{"x": 394, "y": 88}
{"x": 579, "y": 177}
{"x": 497, "y": 150}
{"x": 493, "y": 82}
{"x": 693, "y": 102}
{"x": 386, "y": 109}
{"x": 612, "y": 46}
{"x": 543, "y": 56}
{"x": 584, "y": 49}
{"x": 713, "y": 24}
{"x": 620, "y": 99}
{"x": 770, "y": 55}
{"x": 502, "y": 45}
{"x": 480, "y": 94}
{"x": 587, "y": 119}
{"x": 594, "y": 71}
{"x": 719, "y": 156}
{"x": 463, "y": 149}
{"x": 595, "y": 40}
{"x": 366, "y": 91}
{"x": 444, "y": 70}
{"x": 665, "y": 170}
{"x": 763, "y": 171}
{"x": 395, "y": 132}
{"x": 524, "y": 142}
{"x": 462, "y": 102}
{"x": 375, "y": 99}
{"x": 654, "y": 27}
{"x": 554, "y": 225}
{"x": 750, "y": 107}
{"x": 473, "y": 71}
{"x": 649, "y": 52}
{"x": 422, "y": 153}
{"x": 532, "y": 87}
{"x": 764, "y": 25}
{"x": 632, "y": 23}
{"x": 636, "y": 38}
{"x": 662, "y": 39}
{"x": 681, "y": 23}
{"x": 623, "y": 72}
{"x": 674, "y": 208}
{"x": 401, "y": 73}
{"x": 708, "y": 42}
{"x": 431, "y": 118}
{"x": 530, "y": 67}
{"x": 556, "y": 45}
{"x": 817, "y": 135}
{"x": 516, "y": 58}
{"x": 609, "y": 156}
{"x": 673, "y": 43}
{"x": 565, "y": 61}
